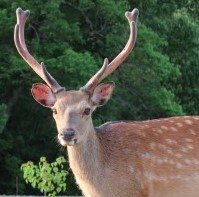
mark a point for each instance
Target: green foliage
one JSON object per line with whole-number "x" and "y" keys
{"x": 77, "y": 67}
{"x": 159, "y": 79}
{"x": 185, "y": 53}
{"x": 3, "y": 117}
{"x": 49, "y": 178}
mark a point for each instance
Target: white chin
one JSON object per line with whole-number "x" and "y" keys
{"x": 62, "y": 142}
{"x": 65, "y": 143}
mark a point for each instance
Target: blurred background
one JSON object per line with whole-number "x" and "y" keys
{"x": 72, "y": 37}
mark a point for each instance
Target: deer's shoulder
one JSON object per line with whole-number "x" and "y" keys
{"x": 115, "y": 125}
{"x": 168, "y": 124}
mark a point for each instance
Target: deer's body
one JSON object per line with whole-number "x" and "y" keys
{"x": 156, "y": 158}
{"x": 148, "y": 158}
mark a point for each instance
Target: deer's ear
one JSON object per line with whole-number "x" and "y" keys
{"x": 102, "y": 93}
{"x": 43, "y": 94}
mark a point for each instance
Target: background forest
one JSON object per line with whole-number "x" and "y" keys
{"x": 72, "y": 37}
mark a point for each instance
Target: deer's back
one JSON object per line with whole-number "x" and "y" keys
{"x": 153, "y": 155}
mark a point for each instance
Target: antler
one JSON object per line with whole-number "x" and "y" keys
{"x": 22, "y": 49}
{"x": 107, "y": 69}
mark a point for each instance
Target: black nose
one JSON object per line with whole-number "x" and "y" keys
{"x": 68, "y": 134}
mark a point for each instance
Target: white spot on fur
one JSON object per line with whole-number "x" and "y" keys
{"x": 165, "y": 159}
{"x": 170, "y": 141}
{"x": 189, "y": 147}
{"x": 192, "y": 132}
{"x": 162, "y": 146}
{"x": 159, "y": 131}
{"x": 185, "y": 150}
{"x": 179, "y": 165}
{"x": 153, "y": 145}
{"x": 188, "y": 122}
{"x": 131, "y": 168}
{"x": 159, "y": 160}
{"x": 173, "y": 129}
{"x": 188, "y": 140}
{"x": 179, "y": 124}
{"x": 141, "y": 133}
{"x": 146, "y": 155}
{"x": 188, "y": 161}
{"x": 145, "y": 126}
{"x": 154, "y": 177}
{"x": 154, "y": 158}
{"x": 178, "y": 155}
{"x": 195, "y": 161}
{"x": 171, "y": 161}
{"x": 164, "y": 127}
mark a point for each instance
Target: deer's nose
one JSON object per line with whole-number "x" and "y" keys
{"x": 68, "y": 134}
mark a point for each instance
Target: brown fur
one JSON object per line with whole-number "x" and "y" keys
{"x": 147, "y": 158}
{"x": 132, "y": 159}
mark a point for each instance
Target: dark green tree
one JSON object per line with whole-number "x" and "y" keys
{"x": 159, "y": 79}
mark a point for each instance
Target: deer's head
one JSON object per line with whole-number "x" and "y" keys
{"x": 72, "y": 110}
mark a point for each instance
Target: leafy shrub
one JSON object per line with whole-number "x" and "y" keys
{"x": 49, "y": 178}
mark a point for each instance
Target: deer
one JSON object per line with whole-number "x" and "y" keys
{"x": 155, "y": 158}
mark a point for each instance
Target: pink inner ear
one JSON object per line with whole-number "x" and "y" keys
{"x": 40, "y": 92}
{"x": 43, "y": 95}
{"x": 102, "y": 93}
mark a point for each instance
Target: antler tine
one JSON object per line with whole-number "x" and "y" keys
{"x": 22, "y": 49}
{"x": 95, "y": 79}
{"x": 108, "y": 69}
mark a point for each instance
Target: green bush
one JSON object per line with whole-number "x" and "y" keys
{"x": 3, "y": 117}
{"x": 49, "y": 178}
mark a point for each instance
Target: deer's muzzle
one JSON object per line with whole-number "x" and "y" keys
{"x": 68, "y": 134}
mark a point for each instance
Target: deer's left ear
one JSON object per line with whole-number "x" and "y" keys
{"x": 43, "y": 95}
{"x": 102, "y": 93}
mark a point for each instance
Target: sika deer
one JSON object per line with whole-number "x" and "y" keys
{"x": 147, "y": 158}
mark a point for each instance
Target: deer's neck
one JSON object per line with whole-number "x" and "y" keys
{"x": 85, "y": 157}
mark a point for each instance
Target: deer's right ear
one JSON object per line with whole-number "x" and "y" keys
{"x": 43, "y": 94}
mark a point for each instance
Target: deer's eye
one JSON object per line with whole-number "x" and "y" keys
{"x": 54, "y": 111}
{"x": 87, "y": 111}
